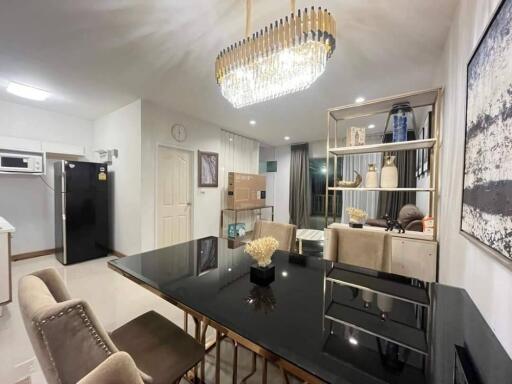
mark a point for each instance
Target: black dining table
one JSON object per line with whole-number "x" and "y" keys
{"x": 326, "y": 322}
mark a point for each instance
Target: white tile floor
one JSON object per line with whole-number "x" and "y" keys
{"x": 114, "y": 299}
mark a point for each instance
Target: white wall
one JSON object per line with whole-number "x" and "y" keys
{"x": 121, "y": 130}
{"x": 25, "y": 201}
{"x": 156, "y": 129}
{"x": 462, "y": 263}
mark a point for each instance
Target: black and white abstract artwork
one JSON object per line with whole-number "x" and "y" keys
{"x": 487, "y": 195}
{"x": 208, "y": 169}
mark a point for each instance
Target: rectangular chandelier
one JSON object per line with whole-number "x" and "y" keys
{"x": 281, "y": 59}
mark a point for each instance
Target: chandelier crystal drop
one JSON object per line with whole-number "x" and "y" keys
{"x": 286, "y": 57}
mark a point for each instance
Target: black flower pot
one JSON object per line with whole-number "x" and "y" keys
{"x": 263, "y": 276}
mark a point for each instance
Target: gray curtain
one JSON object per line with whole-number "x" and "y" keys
{"x": 299, "y": 186}
{"x": 391, "y": 202}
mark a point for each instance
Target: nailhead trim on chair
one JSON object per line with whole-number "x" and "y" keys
{"x": 87, "y": 323}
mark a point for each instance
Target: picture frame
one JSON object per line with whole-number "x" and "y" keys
{"x": 208, "y": 169}
{"x": 486, "y": 212}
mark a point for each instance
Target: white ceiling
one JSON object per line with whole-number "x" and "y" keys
{"x": 97, "y": 55}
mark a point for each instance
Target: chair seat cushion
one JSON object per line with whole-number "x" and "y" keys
{"x": 160, "y": 348}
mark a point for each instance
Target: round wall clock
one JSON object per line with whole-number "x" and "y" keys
{"x": 179, "y": 132}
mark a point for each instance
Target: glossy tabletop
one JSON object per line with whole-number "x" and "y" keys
{"x": 339, "y": 323}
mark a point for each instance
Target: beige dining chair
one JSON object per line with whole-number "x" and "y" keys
{"x": 71, "y": 345}
{"x": 117, "y": 368}
{"x": 283, "y": 233}
{"x": 367, "y": 249}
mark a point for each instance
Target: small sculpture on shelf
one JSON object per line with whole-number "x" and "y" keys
{"x": 392, "y": 224}
{"x": 351, "y": 183}
{"x": 357, "y": 217}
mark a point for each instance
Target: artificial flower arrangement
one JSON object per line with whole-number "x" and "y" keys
{"x": 262, "y": 249}
{"x": 356, "y": 215}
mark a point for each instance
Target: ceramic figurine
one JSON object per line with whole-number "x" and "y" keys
{"x": 389, "y": 175}
{"x": 351, "y": 184}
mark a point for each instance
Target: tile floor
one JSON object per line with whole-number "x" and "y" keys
{"x": 115, "y": 300}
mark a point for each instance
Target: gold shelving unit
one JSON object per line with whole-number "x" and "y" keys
{"x": 427, "y": 98}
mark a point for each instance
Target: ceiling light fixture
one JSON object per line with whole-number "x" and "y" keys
{"x": 27, "y": 92}
{"x": 252, "y": 122}
{"x": 360, "y": 99}
{"x": 286, "y": 57}
{"x": 286, "y": 138}
{"x": 352, "y": 340}
{"x": 371, "y": 126}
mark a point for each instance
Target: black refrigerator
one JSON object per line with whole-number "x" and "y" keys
{"x": 81, "y": 211}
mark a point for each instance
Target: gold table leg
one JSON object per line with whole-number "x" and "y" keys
{"x": 217, "y": 356}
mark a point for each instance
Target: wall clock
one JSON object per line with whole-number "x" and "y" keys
{"x": 179, "y": 132}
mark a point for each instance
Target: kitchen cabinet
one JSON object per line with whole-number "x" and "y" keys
{"x": 6, "y": 231}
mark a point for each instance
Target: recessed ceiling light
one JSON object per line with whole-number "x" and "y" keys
{"x": 284, "y": 273}
{"x": 352, "y": 340}
{"x": 371, "y": 126}
{"x": 286, "y": 138}
{"x": 252, "y": 122}
{"x": 360, "y": 99}
{"x": 27, "y": 92}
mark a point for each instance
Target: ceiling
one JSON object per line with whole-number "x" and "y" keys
{"x": 95, "y": 56}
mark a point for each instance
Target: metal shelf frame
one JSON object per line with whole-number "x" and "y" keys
{"x": 426, "y": 98}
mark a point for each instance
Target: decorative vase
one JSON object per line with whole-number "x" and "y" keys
{"x": 372, "y": 178}
{"x": 401, "y": 124}
{"x": 389, "y": 176}
{"x": 263, "y": 276}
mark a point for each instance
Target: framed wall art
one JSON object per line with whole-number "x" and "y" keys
{"x": 208, "y": 169}
{"x": 487, "y": 181}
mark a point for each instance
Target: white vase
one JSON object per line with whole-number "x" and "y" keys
{"x": 372, "y": 177}
{"x": 389, "y": 176}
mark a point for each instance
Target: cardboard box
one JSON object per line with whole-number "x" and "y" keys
{"x": 246, "y": 190}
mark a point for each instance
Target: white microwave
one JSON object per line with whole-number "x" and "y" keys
{"x": 21, "y": 162}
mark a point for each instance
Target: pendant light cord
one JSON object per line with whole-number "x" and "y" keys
{"x": 248, "y": 14}
{"x": 248, "y": 10}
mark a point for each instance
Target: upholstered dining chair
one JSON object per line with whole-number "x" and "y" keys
{"x": 283, "y": 233}
{"x": 117, "y": 368}
{"x": 71, "y": 344}
{"x": 367, "y": 249}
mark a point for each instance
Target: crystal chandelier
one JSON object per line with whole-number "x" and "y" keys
{"x": 286, "y": 57}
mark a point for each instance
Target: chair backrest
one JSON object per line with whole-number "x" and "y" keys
{"x": 367, "y": 249}
{"x": 67, "y": 339}
{"x": 283, "y": 233}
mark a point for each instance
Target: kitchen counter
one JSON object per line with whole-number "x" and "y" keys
{"x": 5, "y": 227}
{"x": 6, "y": 230}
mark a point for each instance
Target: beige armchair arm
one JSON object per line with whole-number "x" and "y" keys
{"x": 119, "y": 368}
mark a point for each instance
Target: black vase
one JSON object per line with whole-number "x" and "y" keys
{"x": 263, "y": 276}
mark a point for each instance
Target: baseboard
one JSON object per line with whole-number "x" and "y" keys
{"x": 117, "y": 253}
{"x": 30, "y": 255}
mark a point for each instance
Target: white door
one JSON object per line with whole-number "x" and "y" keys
{"x": 174, "y": 196}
